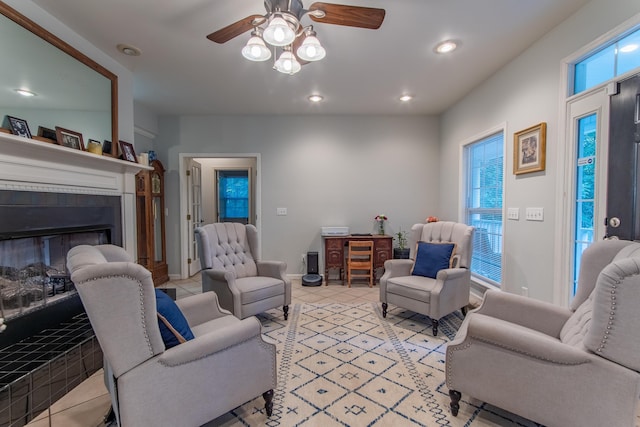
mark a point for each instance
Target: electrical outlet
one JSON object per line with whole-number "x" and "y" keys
{"x": 304, "y": 258}
{"x": 535, "y": 214}
{"x": 525, "y": 291}
{"x": 281, "y": 211}
{"x": 513, "y": 213}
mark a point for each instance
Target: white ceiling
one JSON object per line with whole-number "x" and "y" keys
{"x": 364, "y": 72}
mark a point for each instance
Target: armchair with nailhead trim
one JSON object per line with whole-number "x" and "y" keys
{"x": 576, "y": 366}
{"x": 226, "y": 364}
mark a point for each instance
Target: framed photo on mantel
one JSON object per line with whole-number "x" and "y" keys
{"x": 69, "y": 138}
{"x": 128, "y": 153}
{"x": 19, "y": 127}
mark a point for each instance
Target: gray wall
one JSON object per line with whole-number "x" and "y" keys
{"x": 326, "y": 170}
{"x": 522, "y": 94}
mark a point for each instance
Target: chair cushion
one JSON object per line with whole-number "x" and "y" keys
{"x": 174, "y": 327}
{"x": 258, "y": 288}
{"x": 417, "y": 288}
{"x": 432, "y": 257}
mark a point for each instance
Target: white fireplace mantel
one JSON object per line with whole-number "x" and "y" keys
{"x": 30, "y": 165}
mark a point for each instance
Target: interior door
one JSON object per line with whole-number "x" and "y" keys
{"x": 623, "y": 204}
{"x": 194, "y": 217}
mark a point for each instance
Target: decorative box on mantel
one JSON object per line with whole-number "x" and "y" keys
{"x": 30, "y": 165}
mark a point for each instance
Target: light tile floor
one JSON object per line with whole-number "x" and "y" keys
{"x": 87, "y": 404}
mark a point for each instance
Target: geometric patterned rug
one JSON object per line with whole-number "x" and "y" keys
{"x": 346, "y": 365}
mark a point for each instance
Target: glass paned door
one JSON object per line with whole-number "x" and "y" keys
{"x": 588, "y": 147}
{"x": 585, "y": 189}
{"x": 194, "y": 201}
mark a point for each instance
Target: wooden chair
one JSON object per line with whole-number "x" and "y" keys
{"x": 360, "y": 261}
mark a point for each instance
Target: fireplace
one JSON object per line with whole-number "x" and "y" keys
{"x": 48, "y": 347}
{"x": 52, "y": 198}
{"x": 36, "y": 232}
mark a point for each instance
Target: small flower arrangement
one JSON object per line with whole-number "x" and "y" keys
{"x": 432, "y": 219}
{"x": 381, "y": 218}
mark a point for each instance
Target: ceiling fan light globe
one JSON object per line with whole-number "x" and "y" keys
{"x": 278, "y": 32}
{"x": 287, "y": 63}
{"x": 311, "y": 49}
{"x": 256, "y": 50}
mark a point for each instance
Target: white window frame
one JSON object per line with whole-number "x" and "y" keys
{"x": 462, "y": 214}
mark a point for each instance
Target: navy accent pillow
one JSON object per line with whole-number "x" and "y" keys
{"x": 431, "y": 258}
{"x": 174, "y": 327}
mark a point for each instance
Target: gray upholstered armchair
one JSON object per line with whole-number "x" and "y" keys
{"x": 225, "y": 365}
{"x": 245, "y": 285}
{"x": 558, "y": 366}
{"x": 435, "y": 296}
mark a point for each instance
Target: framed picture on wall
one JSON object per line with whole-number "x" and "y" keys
{"x": 529, "y": 149}
{"x": 69, "y": 138}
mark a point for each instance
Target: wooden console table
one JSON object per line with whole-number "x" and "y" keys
{"x": 334, "y": 252}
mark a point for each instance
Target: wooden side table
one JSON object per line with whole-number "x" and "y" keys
{"x": 334, "y": 252}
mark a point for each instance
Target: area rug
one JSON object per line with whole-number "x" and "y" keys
{"x": 346, "y": 365}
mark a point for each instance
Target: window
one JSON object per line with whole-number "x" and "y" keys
{"x": 483, "y": 205}
{"x": 615, "y": 59}
{"x": 233, "y": 196}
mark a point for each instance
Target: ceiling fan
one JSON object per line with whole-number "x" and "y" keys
{"x": 281, "y": 28}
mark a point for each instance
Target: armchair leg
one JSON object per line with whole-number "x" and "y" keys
{"x": 268, "y": 399}
{"x": 286, "y": 311}
{"x": 110, "y": 418}
{"x": 455, "y": 402}
{"x": 434, "y": 326}
{"x": 384, "y": 309}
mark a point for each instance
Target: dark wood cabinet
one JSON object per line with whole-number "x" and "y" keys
{"x": 152, "y": 250}
{"x": 334, "y": 251}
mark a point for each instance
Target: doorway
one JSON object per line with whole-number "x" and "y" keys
{"x": 602, "y": 180}
{"x": 200, "y": 196}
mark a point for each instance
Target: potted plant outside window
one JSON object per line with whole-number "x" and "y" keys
{"x": 401, "y": 251}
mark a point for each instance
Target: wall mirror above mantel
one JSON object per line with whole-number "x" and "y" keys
{"x": 71, "y": 90}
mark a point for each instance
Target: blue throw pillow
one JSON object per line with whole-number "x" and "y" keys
{"x": 174, "y": 328}
{"x": 432, "y": 257}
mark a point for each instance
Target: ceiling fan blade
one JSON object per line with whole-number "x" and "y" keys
{"x": 225, "y": 34}
{"x": 351, "y": 16}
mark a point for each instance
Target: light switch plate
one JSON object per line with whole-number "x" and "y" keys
{"x": 535, "y": 214}
{"x": 513, "y": 213}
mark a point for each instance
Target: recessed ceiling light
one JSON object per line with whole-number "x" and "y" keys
{"x": 446, "y": 46}
{"x": 315, "y": 98}
{"x": 628, "y": 48}
{"x": 25, "y": 92}
{"x": 129, "y": 50}
{"x": 406, "y": 98}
